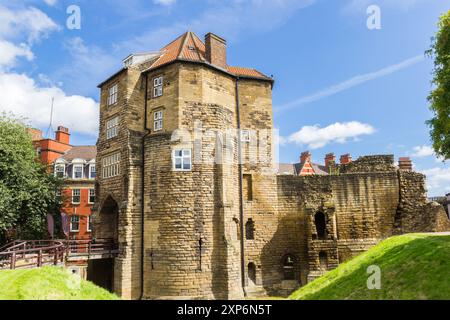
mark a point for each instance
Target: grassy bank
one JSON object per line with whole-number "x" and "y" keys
{"x": 414, "y": 266}
{"x": 48, "y": 283}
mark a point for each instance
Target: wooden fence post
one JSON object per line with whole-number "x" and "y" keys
{"x": 13, "y": 261}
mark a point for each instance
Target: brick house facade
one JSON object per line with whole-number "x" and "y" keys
{"x": 76, "y": 164}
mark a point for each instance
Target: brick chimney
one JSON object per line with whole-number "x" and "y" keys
{"x": 305, "y": 156}
{"x": 405, "y": 163}
{"x": 216, "y": 50}
{"x": 62, "y": 135}
{"x": 345, "y": 158}
{"x": 330, "y": 160}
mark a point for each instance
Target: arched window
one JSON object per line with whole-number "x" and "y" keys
{"x": 319, "y": 221}
{"x": 323, "y": 259}
{"x": 250, "y": 230}
{"x": 251, "y": 269}
{"x": 288, "y": 267}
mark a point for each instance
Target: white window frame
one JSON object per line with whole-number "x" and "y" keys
{"x": 245, "y": 135}
{"x": 91, "y": 195}
{"x": 74, "y": 195}
{"x": 112, "y": 128}
{"x": 111, "y": 166}
{"x": 92, "y": 165}
{"x": 89, "y": 223}
{"x": 185, "y": 158}
{"x": 157, "y": 86}
{"x": 74, "y": 166}
{"x": 71, "y": 223}
{"x": 63, "y": 171}
{"x": 158, "y": 120}
{"x": 113, "y": 94}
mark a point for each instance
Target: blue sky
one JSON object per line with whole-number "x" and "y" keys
{"x": 340, "y": 87}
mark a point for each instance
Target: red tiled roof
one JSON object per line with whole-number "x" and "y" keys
{"x": 189, "y": 47}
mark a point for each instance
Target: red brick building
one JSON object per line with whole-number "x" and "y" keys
{"x": 76, "y": 164}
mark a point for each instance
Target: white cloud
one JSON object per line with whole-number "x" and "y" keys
{"x": 422, "y": 151}
{"x": 165, "y": 2}
{"x": 22, "y": 96}
{"x": 51, "y": 2}
{"x": 438, "y": 180}
{"x": 350, "y": 83}
{"x": 9, "y": 53}
{"x": 87, "y": 66}
{"x": 316, "y": 137}
{"x": 30, "y": 24}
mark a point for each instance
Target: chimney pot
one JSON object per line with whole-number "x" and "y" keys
{"x": 305, "y": 156}
{"x": 345, "y": 158}
{"x": 405, "y": 163}
{"x": 216, "y": 50}
{"x": 330, "y": 160}
{"x": 62, "y": 135}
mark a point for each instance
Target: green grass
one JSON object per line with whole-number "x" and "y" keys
{"x": 413, "y": 266}
{"x": 48, "y": 283}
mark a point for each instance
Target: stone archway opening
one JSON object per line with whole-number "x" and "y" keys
{"x": 109, "y": 220}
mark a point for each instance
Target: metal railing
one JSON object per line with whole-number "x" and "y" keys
{"x": 37, "y": 253}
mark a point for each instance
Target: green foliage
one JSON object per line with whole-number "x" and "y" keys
{"x": 48, "y": 283}
{"x": 440, "y": 96}
{"x": 27, "y": 189}
{"x": 413, "y": 266}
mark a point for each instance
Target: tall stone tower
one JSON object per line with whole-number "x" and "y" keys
{"x": 185, "y": 145}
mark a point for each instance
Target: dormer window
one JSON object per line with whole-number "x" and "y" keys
{"x": 157, "y": 87}
{"x": 60, "y": 170}
{"x": 92, "y": 171}
{"x": 112, "y": 95}
{"x": 77, "y": 171}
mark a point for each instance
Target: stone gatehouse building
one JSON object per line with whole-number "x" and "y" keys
{"x": 188, "y": 188}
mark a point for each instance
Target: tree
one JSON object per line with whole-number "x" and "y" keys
{"x": 440, "y": 97}
{"x": 27, "y": 189}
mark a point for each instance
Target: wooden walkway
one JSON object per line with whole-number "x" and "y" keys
{"x": 38, "y": 253}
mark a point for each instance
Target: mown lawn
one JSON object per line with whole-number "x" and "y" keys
{"x": 48, "y": 283}
{"x": 413, "y": 266}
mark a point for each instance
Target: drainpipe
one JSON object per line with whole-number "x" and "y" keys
{"x": 241, "y": 195}
{"x": 146, "y": 132}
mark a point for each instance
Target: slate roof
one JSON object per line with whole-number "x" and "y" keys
{"x": 80, "y": 152}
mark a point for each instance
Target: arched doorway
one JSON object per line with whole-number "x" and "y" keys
{"x": 101, "y": 271}
{"x": 320, "y": 223}
{"x": 109, "y": 220}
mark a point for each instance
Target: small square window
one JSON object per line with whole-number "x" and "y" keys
{"x": 60, "y": 170}
{"x": 92, "y": 171}
{"x": 89, "y": 224}
{"x": 182, "y": 160}
{"x": 112, "y": 95}
{"x": 74, "y": 223}
{"x": 245, "y": 135}
{"x": 157, "y": 87}
{"x": 78, "y": 171}
{"x": 158, "y": 120}
{"x": 76, "y": 196}
{"x": 91, "y": 195}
